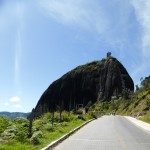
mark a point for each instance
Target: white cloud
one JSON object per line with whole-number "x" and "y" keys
{"x": 79, "y": 13}
{"x": 142, "y": 10}
{"x": 110, "y": 20}
{"x": 14, "y": 102}
{"x": 15, "y": 99}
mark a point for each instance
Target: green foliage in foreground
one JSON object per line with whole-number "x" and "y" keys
{"x": 14, "y": 134}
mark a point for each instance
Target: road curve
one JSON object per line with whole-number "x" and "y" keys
{"x": 108, "y": 133}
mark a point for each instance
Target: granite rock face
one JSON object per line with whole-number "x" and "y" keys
{"x": 96, "y": 80}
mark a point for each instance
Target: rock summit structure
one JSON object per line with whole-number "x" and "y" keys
{"x": 97, "y": 80}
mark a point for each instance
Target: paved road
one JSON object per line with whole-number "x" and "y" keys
{"x": 108, "y": 133}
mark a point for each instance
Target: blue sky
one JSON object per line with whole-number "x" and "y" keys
{"x": 42, "y": 40}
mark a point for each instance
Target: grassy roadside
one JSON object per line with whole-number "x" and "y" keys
{"x": 145, "y": 118}
{"x": 138, "y": 106}
{"x": 15, "y": 135}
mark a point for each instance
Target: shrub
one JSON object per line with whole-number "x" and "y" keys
{"x": 38, "y": 124}
{"x": 65, "y": 116}
{"x": 4, "y": 123}
{"x": 35, "y": 137}
{"x": 64, "y": 124}
{"x": 57, "y": 117}
{"x": 80, "y": 111}
{"x": 21, "y": 120}
{"x": 17, "y": 130}
{"x": 97, "y": 108}
{"x": 49, "y": 127}
{"x": 93, "y": 115}
{"x": 46, "y": 117}
{"x": 10, "y": 133}
{"x": 21, "y": 136}
{"x": 81, "y": 117}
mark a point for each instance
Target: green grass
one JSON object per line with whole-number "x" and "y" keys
{"x": 14, "y": 146}
{"x": 60, "y": 130}
{"x": 14, "y": 137}
{"x": 145, "y": 118}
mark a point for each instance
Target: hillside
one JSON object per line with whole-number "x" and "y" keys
{"x": 140, "y": 103}
{"x": 98, "y": 80}
{"x": 132, "y": 104}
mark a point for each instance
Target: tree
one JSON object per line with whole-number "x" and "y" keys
{"x": 30, "y": 122}
{"x": 137, "y": 87}
{"x": 88, "y": 106}
{"x": 145, "y": 83}
{"x": 126, "y": 93}
{"x": 53, "y": 118}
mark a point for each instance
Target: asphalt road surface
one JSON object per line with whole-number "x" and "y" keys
{"x": 108, "y": 133}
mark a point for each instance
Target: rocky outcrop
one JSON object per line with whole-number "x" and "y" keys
{"x": 96, "y": 80}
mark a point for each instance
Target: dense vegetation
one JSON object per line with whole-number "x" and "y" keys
{"x": 14, "y": 134}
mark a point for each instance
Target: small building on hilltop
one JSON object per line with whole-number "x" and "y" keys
{"x": 108, "y": 54}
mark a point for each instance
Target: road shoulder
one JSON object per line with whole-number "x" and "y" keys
{"x": 139, "y": 123}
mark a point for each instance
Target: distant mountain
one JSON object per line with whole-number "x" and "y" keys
{"x": 98, "y": 80}
{"x": 13, "y": 115}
